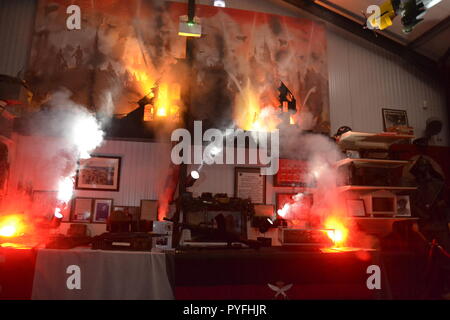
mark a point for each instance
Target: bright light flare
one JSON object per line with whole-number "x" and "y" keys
{"x": 11, "y": 226}
{"x": 58, "y": 213}
{"x": 250, "y": 115}
{"x": 65, "y": 189}
{"x": 86, "y": 135}
{"x": 291, "y": 120}
{"x": 339, "y": 231}
{"x": 167, "y": 100}
{"x": 284, "y": 211}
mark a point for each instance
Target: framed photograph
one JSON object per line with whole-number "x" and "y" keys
{"x": 149, "y": 210}
{"x": 356, "y": 207}
{"x": 394, "y": 119}
{"x": 403, "y": 206}
{"x": 291, "y": 173}
{"x": 99, "y": 173}
{"x": 249, "y": 183}
{"x": 81, "y": 210}
{"x": 102, "y": 210}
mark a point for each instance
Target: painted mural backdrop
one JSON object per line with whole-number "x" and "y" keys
{"x": 121, "y": 51}
{"x": 243, "y": 56}
{"x": 125, "y": 48}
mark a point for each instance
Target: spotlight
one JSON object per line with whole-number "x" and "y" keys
{"x": 195, "y": 175}
{"x": 192, "y": 178}
{"x": 219, "y": 3}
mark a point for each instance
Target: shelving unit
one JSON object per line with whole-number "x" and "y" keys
{"x": 378, "y": 141}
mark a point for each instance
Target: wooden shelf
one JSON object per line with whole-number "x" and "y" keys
{"x": 381, "y": 163}
{"x": 361, "y": 140}
{"x": 362, "y": 188}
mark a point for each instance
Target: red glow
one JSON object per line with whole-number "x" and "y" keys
{"x": 15, "y": 246}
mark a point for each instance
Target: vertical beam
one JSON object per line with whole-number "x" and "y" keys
{"x": 187, "y": 120}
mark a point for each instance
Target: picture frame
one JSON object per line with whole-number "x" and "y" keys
{"x": 81, "y": 210}
{"x": 394, "y": 119}
{"x": 291, "y": 173}
{"x": 356, "y": 207}
{"x": 102, "y": 210}
{"x": 249, "y": 183}
{"x": 403, "y": 206}
{"x": 99, "y": 173}
{"x": 149, "y": 210}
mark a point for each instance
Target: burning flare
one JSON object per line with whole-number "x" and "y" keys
{"x": 339, "y": 233}
{"x": 11, "y": 226}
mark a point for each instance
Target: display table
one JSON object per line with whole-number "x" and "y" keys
{"x": 206, "y": 274}
{"x": 246, "y": 274}
{"x": 92, "y": 274}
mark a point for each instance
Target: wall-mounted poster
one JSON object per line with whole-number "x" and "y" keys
{"x": 249, "y": 183}
{"x": 127, "y": 48}
{"x": 99, "y": 173}
{"x": 243, "y": 57}
{"x": 291, "y": 173}
{"x": 122, "y": 49}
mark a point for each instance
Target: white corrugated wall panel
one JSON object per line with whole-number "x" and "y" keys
{"x": 364, "y": 79}
{"x": 144, "y": 167}
{"x": 16, "y": 26}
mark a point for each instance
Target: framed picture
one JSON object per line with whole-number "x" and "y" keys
{"x": 291, "y": 173}
{"x": 403, "y": 206}
{"x": 99, "y": 173}
{"x": 149, "y": 210}
{"x": 356, "y": 207}
{"x": 102, "y": 210}
{"x": 249, "y": 183}
{"x": 81, "y": 210}
{"x": 394, "y": 119}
